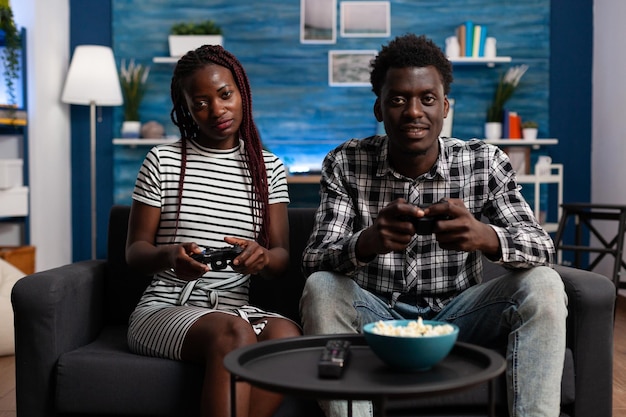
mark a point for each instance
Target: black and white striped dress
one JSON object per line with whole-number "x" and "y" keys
{"x": 216, "y": 202}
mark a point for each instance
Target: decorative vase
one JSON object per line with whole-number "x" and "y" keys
{"x": 181, "y": 44}
{"x": 131, "y": 129}
{"x": 529, "y": 133}
{"x": 493, "y": 130}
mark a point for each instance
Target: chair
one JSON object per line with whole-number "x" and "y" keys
{"x": 584, "y": 215}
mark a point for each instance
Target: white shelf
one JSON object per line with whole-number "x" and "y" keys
{"x": 522, "y": 142}
{"x": 490, "y": 62}
{"x": 142, "y": 141}
{"x": 165, "y": 59}
{"x": 535, "y": 143}
{"x": 556, "y": 177}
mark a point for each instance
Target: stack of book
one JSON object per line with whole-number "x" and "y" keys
{"x": 511, "y": 125}
{"x": 471, "y": 38}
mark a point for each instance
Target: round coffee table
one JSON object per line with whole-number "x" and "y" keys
{"x": 289, "y": 366}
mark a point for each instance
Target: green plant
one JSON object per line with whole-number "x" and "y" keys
{"x": 133, "y": 82}
{"x": 207, "y": 27}
{"x": 506, "y": 87}
{"x": 10, "y": 55}
{"x": 529, "y": 124}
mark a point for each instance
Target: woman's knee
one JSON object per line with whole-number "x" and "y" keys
{"x": 217, "y": 334}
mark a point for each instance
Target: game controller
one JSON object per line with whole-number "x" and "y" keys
{"x": 218, "y": 258}
{"x": 425, "y": 225}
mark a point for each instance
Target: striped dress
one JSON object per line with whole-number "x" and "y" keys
{"x": 216, "y": 202}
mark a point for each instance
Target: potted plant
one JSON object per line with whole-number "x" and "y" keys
{"x": 10, "y": 39}
{"x": 133, "y": 79}
{"x": 506, "y": 87}
{"x": 529, "y": 129}
{"x": 186, "y": 36}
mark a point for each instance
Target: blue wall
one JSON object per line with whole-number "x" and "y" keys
{"x": 90, "y": 23}
{"x": 301, "y": 117}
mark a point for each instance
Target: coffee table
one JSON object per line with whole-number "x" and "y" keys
{"x": 289, "y": 366}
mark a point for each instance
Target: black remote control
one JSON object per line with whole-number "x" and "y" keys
{"x": 333, "y": 359}
{"x": 218, "y": 258}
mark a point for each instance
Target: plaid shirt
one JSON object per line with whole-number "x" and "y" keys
{"x": 357, "y": 182}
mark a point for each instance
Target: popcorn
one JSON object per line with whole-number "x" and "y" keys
{"x": 415, "y": 328}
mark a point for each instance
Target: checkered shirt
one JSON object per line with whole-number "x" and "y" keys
{"x": 357, "y": 182}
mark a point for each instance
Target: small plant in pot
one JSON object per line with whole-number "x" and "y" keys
{"x": 133, "y": 79}
{"x": 505, "y": 88}
{"x": 187, "y": 36}
{"x": 529, "y": 129}
{"x": 10, "y": 56}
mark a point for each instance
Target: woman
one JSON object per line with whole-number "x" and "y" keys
{"x": 215, "y": 187}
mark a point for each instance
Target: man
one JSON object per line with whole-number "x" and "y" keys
{"x": 365, "y": 261}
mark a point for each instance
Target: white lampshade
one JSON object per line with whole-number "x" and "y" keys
{"x": 92, "y": 77}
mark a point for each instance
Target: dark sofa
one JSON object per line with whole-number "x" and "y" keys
{"x": 72, "y": 359}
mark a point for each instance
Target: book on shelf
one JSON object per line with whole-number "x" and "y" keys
{"x": 460, "y": 34}
{"x": 515, "y": 125}
{"x": 472, "y": 38}
{"x": 469, "y": 37}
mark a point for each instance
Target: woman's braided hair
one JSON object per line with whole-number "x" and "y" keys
{"x": 188, "y": 64}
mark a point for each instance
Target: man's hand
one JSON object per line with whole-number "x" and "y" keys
{"x": 463, "y": 232}
{"x": 391, "y": 231}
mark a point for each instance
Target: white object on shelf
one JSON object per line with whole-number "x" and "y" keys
{"x": 14, "y": 202}
{"x": 143, "y": 141}
{"x": 493, "y": 130}
{"x": 181, "y": 44}
{"x": 490, "y": 47}
{"x": 453, "y": 49}
{"x": 131, "y": 129}
{"x": 11, "y": 173}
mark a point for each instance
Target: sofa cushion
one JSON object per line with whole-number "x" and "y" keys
{"x": 105, "y": 378}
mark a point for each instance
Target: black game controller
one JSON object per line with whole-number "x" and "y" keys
{"x": 218, "y": 258}
{"x": 425, "y": 225}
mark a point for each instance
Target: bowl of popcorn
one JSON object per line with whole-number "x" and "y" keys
{"x": 411, "y": 345}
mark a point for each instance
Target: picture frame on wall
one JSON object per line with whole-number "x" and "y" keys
{"x": 365, "y": 19}
{"x": 349, "y": 68}
{"x": 318, "y": 21}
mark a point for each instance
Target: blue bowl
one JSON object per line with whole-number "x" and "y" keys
{"x": 410, "y": 353}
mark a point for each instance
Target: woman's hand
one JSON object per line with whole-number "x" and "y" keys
{"x": 252, "y": 260}
{"x": 185, "y": 267}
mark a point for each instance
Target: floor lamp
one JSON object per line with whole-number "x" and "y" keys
{"x": 93, "y": 80}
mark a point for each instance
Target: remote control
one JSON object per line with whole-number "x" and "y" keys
{"x": 333, "y": 359}
{"x": 218, "y": 258}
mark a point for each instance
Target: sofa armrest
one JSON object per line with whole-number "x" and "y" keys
{"x": 591, "y": 304}
{"x": 55, "y": 311}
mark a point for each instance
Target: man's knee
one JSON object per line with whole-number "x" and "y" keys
{"x": 324, "y": 286}
{"x": 546, "y": 290}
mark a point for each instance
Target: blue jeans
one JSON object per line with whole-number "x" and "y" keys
{"x": 522, "y": 313}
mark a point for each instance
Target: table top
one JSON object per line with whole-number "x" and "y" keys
{"x": 290, "y": 366}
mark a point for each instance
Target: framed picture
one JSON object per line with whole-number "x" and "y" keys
{"x": 350, "y": 68}
{"x": 365, "y": 19}
{"x": 318, "y": 21}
